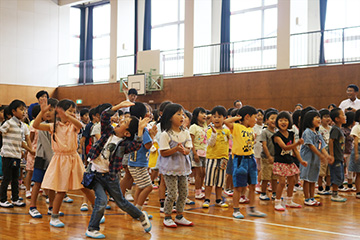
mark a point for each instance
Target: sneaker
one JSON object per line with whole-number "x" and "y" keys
{"x": 229, "y": 192}
{"x": 222, "y": 204}
{"x": 56, "y": 223}
{"x": 244, "y": 200}
{"x": 258, "y": 189}
{"x": 206, "y": 204}
{"x": 22, "y": 187}
{"x": 183, "y": 221}
{"x": 238, "y": 215}
{"x": 128, "y": 196}
{"x": 34, "y": 213}
{"x": 108, "y": 207}
{"x": 146, "y": 222}
{"x": 67, "y": 199}
{"x": 162, "y": 209}
{"x": 102, "y": 220}
{"x": 344, "y": 189}
{"x": 199, "y": 196}
{"x": 174, "y": 208}
{"x": 111, "y": 199}
{"x": 155, "y": 186}
{"x": 6, "y": 204}
{"x": 337, "y": 198}
{"x": 264, "y": 197}
{"x": 293, "y": 205}
{"x": 353, "y": 188}
{"x": 169, "y": 223}
{"x": 47, "y": 200}
{"x": 202, "y": 189}
{"x": 310, "y": 202}
{"x": 189, "y": 202}
{"x": 94, "y": 234}
{"x": 28, "y": 194}
{"x": 19, "y": 203}
{"x": 255, "y": 213}
{"x": 84, "y": 207}
{"x": 61, "y": 214}
{"x": 273, "y": 196}
{"x": 279, "y": 207}
{"x": 317, "y": 203}
{"x": 358, "y": 196}
{"x": 299, "y": 188}
{"x": 192, "y": 180}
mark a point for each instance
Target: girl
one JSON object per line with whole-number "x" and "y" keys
{"x": 354, "y": 165}
{"x": 284, "y": 166}
{"x": 174, "y": 163}
{"x": 258, "y": 146}
{"x": 65, "y": 171}
{"x": 313, "y": 151}
{"x": 198, "y": 130}
{"x": 346, "y": 129}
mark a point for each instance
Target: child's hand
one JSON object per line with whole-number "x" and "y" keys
{"x": 125, "y": 104}
{"x": 300, "y": 141}
{"x": 153, "y": 131}
{"x": 61, "y": 112}
{"x": 304, "y": 163}
{"x": 142, "y": 124}
{"x": 196, "y": 158}
{"x": 271, "y": 159}
{"x": 213, "y": 128}
{"x": 330, "y": 159}
{"x": 44, "y": 106}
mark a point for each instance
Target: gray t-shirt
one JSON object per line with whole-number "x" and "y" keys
{"x": 44, "y": 149}
{"x": 266, "y": 136}
{"x": 339, "y": 142}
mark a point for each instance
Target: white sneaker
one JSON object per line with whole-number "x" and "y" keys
{"x": 84, "y": 207}
{"x": 35, "y": 213}
{"x": 199, "y": 196}
{"x": 169, "y": 223}
{"x": 244, "y": 200}
{"x": 299, "y": 188}
{"x": 293, "y": 205}
{"x": 6, "y": 204}
{"x": 162, "y": 209}
{"x": 67, "y": 199}
{"x": 19, "y": 203}
{"x": 146, "y": 222}
{"x": 28, "y": 194}
{"x": 310, "y": 202}
{"x": 47, "y": 200}
{"x": 51, "y": 211}
{"x": 56, "y": 223}
{"x": 129, "y": 197}
{"x": 278, "y": 206}
{"x": 344, "y": 189}
{"x": 94, "y": 234}
{"x": 22, "y": 187}
{"x": 238, "y": 215}
{"x": 255, "y": 213}
{"x": 337, "y": 198}
{"x": 183, "y": 221}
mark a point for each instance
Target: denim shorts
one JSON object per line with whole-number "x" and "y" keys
{"x": 230, "y": 166}
{"x": 311, "y": 172}
{"x": 38, "y": 175}
{"x": 245, "y": 171}
{"x": 337, "y": 172}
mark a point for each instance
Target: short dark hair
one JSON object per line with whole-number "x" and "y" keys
{"x": 236, "y": 102}
{"x": 234, "y": 112}
{"x": 7, "y": 113}
{"x": 53, "y": 102}
{"x": 353, "y": 86}
{"x": 188, "y": 114}
{"x": 169, "y": 111}
{"x": 307, "y": 120}
{"x": 270, "y": 110}
{"x": 260, "y": 111}
{"x": 2, "y": 107}
{"x": 299, "y": 104}
{"x": 295, "y": 118}
{"x": 132, "y": 91}
{"x": 84, "y": 111}
{"x": 350, "y": 119}
{"x": 219, "y": 110}
{"x": 156, "y": 114}
{"x": 229, "y": 111}
{"x": 332, "y": 105}
{"x": 35, "y": 111}
{"x": 335, "y": 113}
{"x": 100, "y": 108}
{"x": 92, "y": 113}
{"x": 284, "y": 114}
{"x": 133, "y": 127}
{"x": 268, "y": 114}
{"x": 16, "y": 104}
{"x": 357, "y": 115}
{"x": 246, "y": 110}
{"x": 195, "y": 114}
{"x": 41, "y": 93}
{"x": 323, "y": 112}
{"x": 302, "y": 118}
{"x": 138, "y": 110}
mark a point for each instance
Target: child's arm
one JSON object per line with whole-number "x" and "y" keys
{"x": 267, "y": 153}
{"x": 331, "y": 147}
{"x": 123, "y": 104}
{"x": 356, "y": 149}
{"x": 196, "y": 157}
{"x": 281, "y": 143}
{"x": 212, "y": 138}
{"x": 29, "y": 145}
{"x": 171, "y": 151}
{"x": 297, "y": 155}
{"x": 63, "y": 114}
{"x": 229, "y": 122}
{"x": 323, "y": 155}
{"x": 37, "y": 122}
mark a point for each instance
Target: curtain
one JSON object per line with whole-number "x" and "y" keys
{"x": 82, "y": 44}
{"x": 323, "y": 4}
{"x": 136, "y": 36}
{"x": 225, "y": 37}
{"x": 147, "y": 26}
{"x": 89, "y": 47}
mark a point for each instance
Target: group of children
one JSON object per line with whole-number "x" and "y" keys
{"x": 244, "y": 147}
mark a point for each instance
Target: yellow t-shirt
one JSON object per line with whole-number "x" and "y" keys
{"x": 243, "y": 140}
{"x": 221, "y": 147}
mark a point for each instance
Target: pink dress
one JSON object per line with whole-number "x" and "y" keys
{"x": 30, "y": 158}
{"x": 65, "y": 171}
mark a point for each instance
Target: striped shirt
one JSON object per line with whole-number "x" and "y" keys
{"x": 13, "y": 132}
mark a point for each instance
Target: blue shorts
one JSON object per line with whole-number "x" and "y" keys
{"x": 337, "y": 172}
{"x": 38, "y": 175}
{"x": 230, "y": 165}
{"x": 245, "y": 171}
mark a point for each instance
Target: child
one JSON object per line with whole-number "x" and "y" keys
{"x": 336, "y": 150}
{"x": 217, "y": 155}
{"x": 245, "y": 170}
{"x": 12, "y": 132}
{"x": 346, "y": 129}
{"x": 312, "y": 151}
{"x": 43, "y": 157}
{"x": 354, "y": 165}
{"x": 65, "y": 171}
{"x": 229, "y": 186}
{"x": 267, "y": 156}
{"x": 284, "y": 166}
{"x": 198, "y": 130}
{"x": 258, "y": 146}
{"x": 324, "y": 130}
{"x": 105, "y": 158}
{"x": 174, "y": 163}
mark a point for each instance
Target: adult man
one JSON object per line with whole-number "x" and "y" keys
{"x": 237, "y": 104}
{"x": 352, "y": 103}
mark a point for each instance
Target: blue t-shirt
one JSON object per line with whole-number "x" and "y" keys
{"x": 140, "y": 158}
{"x": 312, "y": 138}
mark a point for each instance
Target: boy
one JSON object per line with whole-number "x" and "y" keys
{"x": 245, "y": 169}
{"x": 217, "y": 156}
{"x": 267, "y": 156}
{"x": 324, "y": 130}
{"x": 43, "y": 157}
{"x": 105, "y": 158}
{"x": 13, "y": 131}
{"x": 258, "y": 146}
{"x": 336, "y": 150}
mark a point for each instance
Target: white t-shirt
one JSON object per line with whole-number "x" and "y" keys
{"x": 180, "y": 137}
{"x": 355, "y": 131}
{"x": 257, "y": 146}
{"x": 348, "y": 103}
{"x": 101, "y": 163}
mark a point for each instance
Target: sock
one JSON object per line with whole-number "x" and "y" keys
{"x": 297, "y": 185}
{"x": 350, "y": 185}
{"x": 31, "y": 208}
{"x": 327, "y": 188}
{"x": 50, "y": 208}
{"x": 321, "y": 188}
{"x": 334, "y": 193}
{"x": 218, "y": 200}
{"x": 197, "y": 191}
{"x": 236, "y": 209}
{"x": 252, "y": 209}
{"x": 274, "y": 193}
{"x": 178, "y": 217}
{"x": 139, "y": 207}
{"x": 54, "y": 216}
{"x": 263, "y": 194}
{"x": 207, "y": 200}
{"x": 162, "y": 201}
{"x": 166, "y": 218}
{"x": 277, "y": 201}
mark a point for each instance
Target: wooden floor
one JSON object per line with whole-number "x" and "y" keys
{"x": 330, "y": 221}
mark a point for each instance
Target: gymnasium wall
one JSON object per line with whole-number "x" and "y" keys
{"x": 282, "y": 89}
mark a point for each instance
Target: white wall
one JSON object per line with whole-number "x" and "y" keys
{"x": 29, "y": 42}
